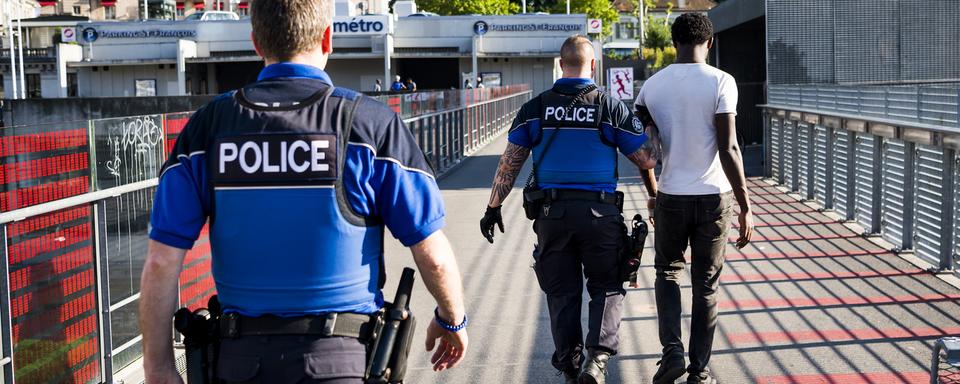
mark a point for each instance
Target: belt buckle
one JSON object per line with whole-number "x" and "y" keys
{"x": 330, "y": 321}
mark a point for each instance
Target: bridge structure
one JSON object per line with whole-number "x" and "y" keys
{"x": 851, "y": 276}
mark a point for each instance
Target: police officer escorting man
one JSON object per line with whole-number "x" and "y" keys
{"x": 298, "y": 179}
{"x": 574, "y": 132}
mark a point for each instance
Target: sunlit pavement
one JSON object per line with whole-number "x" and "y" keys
{"x": 809, "y": 301}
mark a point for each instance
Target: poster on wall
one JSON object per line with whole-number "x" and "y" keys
{"x": 621, "y": 83}
{"x": 491, "y": 79}
{"x": 146, "y": 87}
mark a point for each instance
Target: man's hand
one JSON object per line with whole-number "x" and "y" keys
{"x": 490, "y": 218}
{"x": 451, "y": 349}
{"x": 652, "y": 206}
{"x": 746, "y": 228}
{"x": 167, "y": 375}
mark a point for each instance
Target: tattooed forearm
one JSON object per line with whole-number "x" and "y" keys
{"x": 510, "y": 163}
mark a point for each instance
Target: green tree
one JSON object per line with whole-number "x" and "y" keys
{"x": 657, "y": 34}
{"x": 466, "y": 7}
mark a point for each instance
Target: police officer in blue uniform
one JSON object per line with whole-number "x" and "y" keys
{"x": 298, "y": 179}
{"x": 574, "y": 132}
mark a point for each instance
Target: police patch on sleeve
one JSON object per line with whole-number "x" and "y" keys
{"x": 275, "y": 160}
{"x": 587, "y": 116}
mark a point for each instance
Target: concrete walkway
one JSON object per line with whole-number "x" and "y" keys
{"x": 810, "y": 301}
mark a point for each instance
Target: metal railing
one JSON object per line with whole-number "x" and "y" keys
{"x": 894, "y": 171}
{"x": 935, "y": 104}
{"x": 74, "y": 209}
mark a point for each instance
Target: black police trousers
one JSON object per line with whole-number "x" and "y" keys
{"x": 575, "y": 239}
{"x": 702, "y": 222}
{"x": 292, "y": 359}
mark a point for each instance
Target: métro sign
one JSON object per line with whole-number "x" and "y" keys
{"x": 362, "y": 25}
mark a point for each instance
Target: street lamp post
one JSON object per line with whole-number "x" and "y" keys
{"x": 7, "y": 10}
{"x": 23, "y": 83}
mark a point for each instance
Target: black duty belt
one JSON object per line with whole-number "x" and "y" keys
{"x": 576, "y": 194}
{"x": 355, "y": 325}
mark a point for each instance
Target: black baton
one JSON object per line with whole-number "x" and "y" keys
{"x": 400, "y": 310}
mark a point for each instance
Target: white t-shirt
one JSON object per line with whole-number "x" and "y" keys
{"x": 683, "y": 99}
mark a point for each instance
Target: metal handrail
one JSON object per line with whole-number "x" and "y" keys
{"x": 868, "y": 119}
{"x": 432, "y": 114}
{"x": 899, "y": 178}
{"x": 69, "y": 202}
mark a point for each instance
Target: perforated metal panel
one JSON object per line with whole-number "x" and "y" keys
{"x": 929, "y": 202}
{"x": 776, "y": 148}
{"x": 821, "y": 143}
{"x": 789, "y": 149}
{"x": 803, "y": 166}
{"x": 864, "y": 178}
{"x": 841, "y": 185}
{"x": 894, "y": 168}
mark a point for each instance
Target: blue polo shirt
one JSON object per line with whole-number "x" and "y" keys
{"x": 385, "y": 179}
{"x": 577, "y": 156}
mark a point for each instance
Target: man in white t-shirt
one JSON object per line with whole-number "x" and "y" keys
{"x": 694, "y": 106}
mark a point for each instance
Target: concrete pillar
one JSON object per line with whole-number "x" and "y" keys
{"x": 473, "y": 57}
{"x": 185, "y": 49}
{"x": 387, "y": 61}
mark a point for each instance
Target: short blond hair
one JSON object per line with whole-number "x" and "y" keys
{"x": 284, "y": 28}
{"x": 576, "y": 51}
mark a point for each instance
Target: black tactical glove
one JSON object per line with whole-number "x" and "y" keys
{"x": 491, "y": 217}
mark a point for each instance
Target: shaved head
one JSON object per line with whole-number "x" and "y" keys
{"x": 576, "y": 52}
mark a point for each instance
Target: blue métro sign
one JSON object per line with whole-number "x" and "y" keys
{"x": 361, "y": 25}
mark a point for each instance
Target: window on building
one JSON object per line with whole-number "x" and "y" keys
{"x": 180, "y": 12}
{"x": 76, "y": 9}
{"x": 71, "y": 85}
{"x": 625, "y": 31}
{"x": 110, "y": 12}
{"x": 33, "y": 85}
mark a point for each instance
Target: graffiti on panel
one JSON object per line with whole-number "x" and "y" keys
{"x": 128, "y": 149}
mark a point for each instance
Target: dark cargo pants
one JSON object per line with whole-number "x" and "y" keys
{"x": 292, "y": 359}
{"x": 576, "y": 239}
{"x": 701, "y": 221}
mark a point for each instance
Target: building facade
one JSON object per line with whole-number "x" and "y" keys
{"x": 169, "y": 58}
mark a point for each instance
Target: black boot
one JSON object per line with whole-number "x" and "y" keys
{"x": 595, "y": 368}
{"x": 672, "y": 366}
{"x": 570, "y": 376}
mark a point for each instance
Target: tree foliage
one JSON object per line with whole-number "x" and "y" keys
{"x": 466, "y": 7}
{"x": 657, "y": 34}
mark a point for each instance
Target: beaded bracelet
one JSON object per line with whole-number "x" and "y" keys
{"x": 444, "y": 325}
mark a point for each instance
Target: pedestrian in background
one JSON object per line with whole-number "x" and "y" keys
{"x": 479, "y": 82}
{"x": 694, "y": 107}
{"x": 411, "y": 86}
{"x": 397, "y": 85}
{"x": 467, "y": 84}
{"x": 574, "y": 132}
{"x": 377, "y": 87}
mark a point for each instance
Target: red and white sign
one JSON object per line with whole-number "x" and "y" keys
{"x": 68, "y": 35}
{"x": 594, "y": 26}
{"x": 621, "y": 83}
